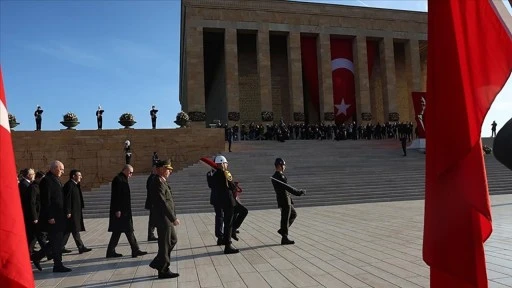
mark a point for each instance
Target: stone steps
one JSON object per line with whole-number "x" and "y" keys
{"x": 333, "y": 173}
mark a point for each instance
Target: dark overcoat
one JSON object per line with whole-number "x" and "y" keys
{"x": 120, "y": 200}
{"x": 52, "y": 204}
{"x": 73, "y": 204}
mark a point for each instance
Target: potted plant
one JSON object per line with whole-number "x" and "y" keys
{"x": 70, "y": 120}
{"x": 127, "y": 120}
{"x": 182, "y": 119}
{"x": 12, "y": 121}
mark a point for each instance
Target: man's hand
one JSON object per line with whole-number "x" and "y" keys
{"x": 69, "y": 216}
{"x": 118, "y": 214}
{"x": 51, "y": 221}
{"x": 176, "y": 222}
{"x": 35, "y": 221}
{"x": 302, "y": 192}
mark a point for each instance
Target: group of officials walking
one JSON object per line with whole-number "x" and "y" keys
{"x": 59, "y": 207}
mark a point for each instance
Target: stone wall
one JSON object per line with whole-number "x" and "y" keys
{"x": 99, "y": 154}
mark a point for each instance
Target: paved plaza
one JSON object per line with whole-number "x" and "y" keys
{"x": 361, "y": 245}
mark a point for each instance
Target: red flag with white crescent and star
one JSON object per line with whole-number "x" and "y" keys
{"x": 469, "y": 62}
{"x": 15, "y": 269}
{"x": 343, "y": 85}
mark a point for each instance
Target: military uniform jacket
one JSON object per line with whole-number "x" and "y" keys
{"x": 283, "y": 192}
{"x": 73, "y": 204}
{"x": 162, "y": 203}
{"x": 52, "y": 204}
{"x": 222, "y": 189}
{"x": 120, "y": 200}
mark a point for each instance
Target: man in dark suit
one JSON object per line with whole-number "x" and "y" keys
{"x": 152, "y": 113}
{"x": 219, "y": 215}
{"x": 164, "y": 214}
{"x": 121, "y": 214}
{"x": 284, "y": 200}
{"x": 222, "y": 185}
{"x": 52, "y": 212}
{"x": 27, "y": 176}
{"x": 99, "y": 117}
{"x": 39, "y": 118}
{"x": 147, "y": 205}
{"x": 73, "y": 205}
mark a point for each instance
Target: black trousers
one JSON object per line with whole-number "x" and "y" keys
{"x": 114, "y": 240}
{"x": 56, "y": 246}
{"x": 229, "y": 143}
{"x": 228, "y": 223}
{"x": 38, "y": 123}
{"x": 219, "y": 219}
{"x": 288, "y": 215}
{"x": 151, "y": 225}
{"x": 153, "y": 123}
{"x": 167, "y": 239}
{"x": 100, "y": 122}
{"x": 239, "y": 214}
{"x": 76, "y": 236}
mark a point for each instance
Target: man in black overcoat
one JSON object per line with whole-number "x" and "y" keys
{"x": 284, "y": 200}
{"x": 121, "y": 214}
{"x": 147, "y": 205}
{"x": 39, "y": 118}
{"x": 219, "y": 214}
{"x": 152, "y": 113}
{"x": 164, "y": 213}
{"x": 73, "y": 205}
{"x": 52, "y": 216}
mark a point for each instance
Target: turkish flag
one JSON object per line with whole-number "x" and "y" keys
{"x": 469, "y": 61}
{"x": 15, "y": 268}
{"x": 343, "y": 85}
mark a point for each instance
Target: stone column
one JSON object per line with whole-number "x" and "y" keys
{"x": 195, "y": 76}
{"x": 263, "y": 50}
{"x": 413, "y": 72}
{"x": 325, "y": 78}
{"x": 295, "y": 77}
{"x": 362, "y": 81}
{"x": 232, "y": 88}
{"x": 387, "y": 58}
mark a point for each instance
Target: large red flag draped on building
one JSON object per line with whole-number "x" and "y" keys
{"x": 15, "y": 268}
{"x": 343, "y": 85}
{"x": 469, "y": 61}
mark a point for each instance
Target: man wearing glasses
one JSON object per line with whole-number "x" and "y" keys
{"x": 121, "y": 214}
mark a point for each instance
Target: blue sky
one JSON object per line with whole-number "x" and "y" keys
{"x": 124, "y": 55}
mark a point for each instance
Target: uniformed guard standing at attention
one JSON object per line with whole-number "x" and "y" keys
{"x": 99, "y": 117}
{"x": 162, "y": 210}
{"x": 153, "y": 112}
{"x": 284, "y": 200}
{"x": 39, "y": 118}
{"x": 222, "y": 185}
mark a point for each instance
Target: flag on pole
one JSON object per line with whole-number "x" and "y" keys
{"x": 15, "y": 268}
{"x": 469, "y": 62}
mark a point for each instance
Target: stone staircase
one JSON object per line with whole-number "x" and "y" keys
{"x": 332, "y": 172}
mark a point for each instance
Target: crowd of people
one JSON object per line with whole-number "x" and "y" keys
{"x": 53, "y": 212}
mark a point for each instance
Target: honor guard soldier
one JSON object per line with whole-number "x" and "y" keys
{"x": 222, "y": 184}
{"x": 153, "y": 112}
{"x": 39, "y": 118}
{"x": 164, "y": 214}
{"x": 99, "y": 117}
{"x": 284, "y": 200}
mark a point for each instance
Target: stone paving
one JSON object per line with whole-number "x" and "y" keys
{"x": 360, "y": 245}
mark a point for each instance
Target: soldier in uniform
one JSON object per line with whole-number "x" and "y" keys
{"x": 99, "y": 117}
{"x": 148, "y": 205}
{"x": 164, "y": 213}
{"x": 222, "y": 185}
{"x": 153, "y": 112}
{"x": 38, "y": 117}
{"x": 284, "y": 200}
{"x": 219, "y": 215}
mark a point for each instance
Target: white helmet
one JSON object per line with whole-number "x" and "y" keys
{"x": 220, "y": 159}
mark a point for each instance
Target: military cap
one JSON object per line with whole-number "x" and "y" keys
{"x": 164, "y": 163}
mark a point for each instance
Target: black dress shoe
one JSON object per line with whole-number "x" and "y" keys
{"x": 234, "y": 237}
{"x": 114, "y": 255}
{"x": 84, "y": 249}
{"x": 167, "y": 275}
{"x": 152, "y": 238}
{"x": 138, "y": 253}
{"x": 230, "y": 250}
{"x": 286, "y": 241}
{"x": 65, "y": 251}
{"x": 61, "y": 269}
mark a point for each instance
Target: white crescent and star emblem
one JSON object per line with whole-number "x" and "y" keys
{"x": 342, "y": 63}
